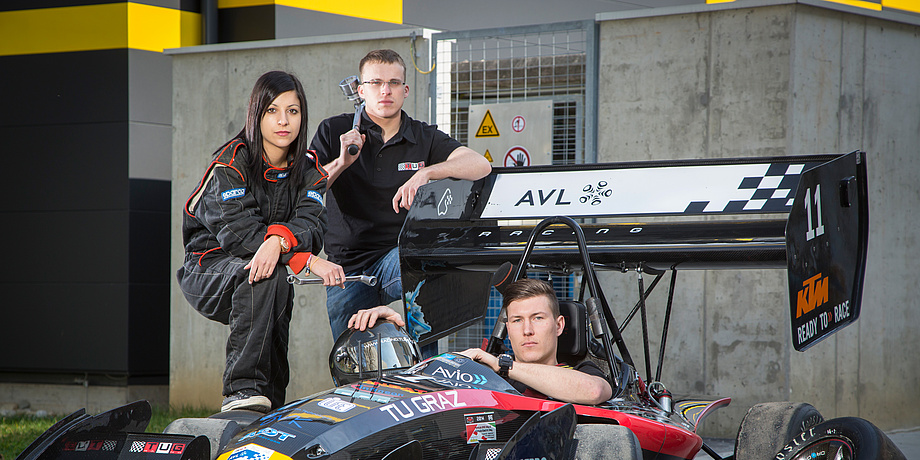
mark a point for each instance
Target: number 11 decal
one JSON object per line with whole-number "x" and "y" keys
{"x": 818, "y": 230}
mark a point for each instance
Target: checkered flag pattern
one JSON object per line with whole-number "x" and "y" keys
{"x": 492, "y": 453}
{"x": 773, "y": 191}
{"x": 110, "y": 445}
{"x": 137, "y": 446}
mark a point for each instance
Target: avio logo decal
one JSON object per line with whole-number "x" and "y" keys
{"x": 473, "y": 379}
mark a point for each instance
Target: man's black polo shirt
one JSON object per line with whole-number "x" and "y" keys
{"x": 362, "y": 224}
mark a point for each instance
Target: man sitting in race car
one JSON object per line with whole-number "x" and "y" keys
{"x": 534, "y": 325}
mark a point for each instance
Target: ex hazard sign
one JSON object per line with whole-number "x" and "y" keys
{"x": 487, "y": 128}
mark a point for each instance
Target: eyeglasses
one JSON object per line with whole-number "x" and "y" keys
{"x": 378, "y": 83}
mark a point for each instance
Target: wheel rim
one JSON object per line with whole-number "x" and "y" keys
{"x": 828, "y": 449}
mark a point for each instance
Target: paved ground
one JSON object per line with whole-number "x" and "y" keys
{"x": 908, "y": 440}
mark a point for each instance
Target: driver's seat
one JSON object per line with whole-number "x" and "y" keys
{"x": 572, "y": 346}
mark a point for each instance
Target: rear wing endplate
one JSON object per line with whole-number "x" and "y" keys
{"x": 816, "y": 208}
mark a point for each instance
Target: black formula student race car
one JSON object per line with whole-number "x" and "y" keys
{"x": 462, "y": 238}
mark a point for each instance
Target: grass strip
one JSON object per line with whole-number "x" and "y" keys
{"x": 18, "y": 431}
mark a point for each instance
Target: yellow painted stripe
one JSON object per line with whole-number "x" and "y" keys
{"x": 379, "y": 10}
{"x": 97, "y": 27}
{"x": 859, "y": 4}
{"x": 154, "y": 28}
{"x": 906, "y": 5}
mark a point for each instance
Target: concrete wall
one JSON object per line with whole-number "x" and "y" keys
{"x": 786, "y": 79}
{"x": 211, "y": 86}
{"x": 781, "y": 79}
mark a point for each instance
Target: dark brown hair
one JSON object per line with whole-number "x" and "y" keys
{"x": 267, "y": 88}
{"x": 527, "y": 288}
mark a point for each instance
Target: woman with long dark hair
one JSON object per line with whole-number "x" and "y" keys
{"x": 258, "y": 209}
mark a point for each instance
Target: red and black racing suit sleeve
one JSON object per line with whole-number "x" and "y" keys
{"x": 230, "y": 212}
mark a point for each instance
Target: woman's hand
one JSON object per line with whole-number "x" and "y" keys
{"x": 332, "y": 273}
{"x": 265, "y": 260}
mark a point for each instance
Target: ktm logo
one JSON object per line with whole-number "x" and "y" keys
{"x": 813, "y": 294}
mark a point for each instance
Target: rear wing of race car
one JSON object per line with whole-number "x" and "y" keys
{"x": 806, "y": 214}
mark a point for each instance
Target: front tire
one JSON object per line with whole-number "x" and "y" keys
{"x": 218, "y": 431}
{"x": 845, "y": 438}
{"x": 594, "y": 441}
{"x": 767, "y": 427}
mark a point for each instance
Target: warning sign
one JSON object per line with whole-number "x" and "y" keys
{"x": 517, "y": 156}
{"x": 517, "y": 124}
{"x": 487, "y": 128}
{"x": 512, "y": 133}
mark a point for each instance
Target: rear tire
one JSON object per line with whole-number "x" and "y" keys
{"x": 767, "y": 427}
{"x": 845, "y": 438}
{"x": 594, "y": 441}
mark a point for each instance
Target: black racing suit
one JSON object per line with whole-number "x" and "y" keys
{"x": 225, "y": 221}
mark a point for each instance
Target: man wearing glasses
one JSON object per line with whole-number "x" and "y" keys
{"x": 372, "y": 191}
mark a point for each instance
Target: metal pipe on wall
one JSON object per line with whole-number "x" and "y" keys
{"x": 209, "y": 21}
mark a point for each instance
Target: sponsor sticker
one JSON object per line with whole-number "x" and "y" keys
{"x": 250, "y": 452}
{"x": 233, "y": 193}
{"x": 480, "y": 427}
{"x": 423, "y": 404}
{"x": 356, "y": 393}
{"x": 153, "y": 447}
{"x": 409, "y": 166}
{"x": 315, "y": 196}
{"x": 336, "y": 404}
{"x": 814, "y": 293}
{"x": 465, "y": 377}
{"x": 90, "y": 445}
{"x": 294, "y": 418}
{"x": 812, "y": 303}
{"x": 269, "y": 434}
{"x": 377, "y": 386}
{"x": 450, "y": 360}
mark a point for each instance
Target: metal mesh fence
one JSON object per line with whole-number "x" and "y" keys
{"x": 565, "y": 287}
{"x": 513, "y": 65}
{"x": 549, "y": 62}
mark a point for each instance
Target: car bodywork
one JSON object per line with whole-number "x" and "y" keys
{"x": 807, "y": 214}
{"x": 459, "y": 233}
